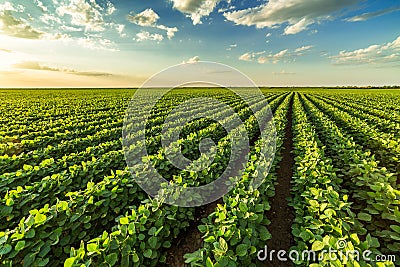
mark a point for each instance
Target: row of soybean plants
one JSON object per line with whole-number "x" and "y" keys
{"x": 142, "y": 236}
{"x": 386, "y": 102}
{"x": 27, "y": 195}
{"x": 57, "y": 150}
{"x": 97, "y": 205}
{"x": 376, "y": 109}
{"x": 44, "y": 113}
{"x": 324, "y": 217}
{"x": 69, "y": 130}
{"x": 364, "y": 113}
{"x": 384, "y": 145}
{"x": 372, "y": 188}
{"x": 78, "y": 141}
{"x": 46, "y": 162}
{"x": 235, "y": 231}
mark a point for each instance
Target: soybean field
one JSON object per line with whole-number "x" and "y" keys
{"x": 68, "y": 198}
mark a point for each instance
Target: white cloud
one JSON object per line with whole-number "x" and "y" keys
{"x": 373, "y": 55}
{"x": 48, "y": 19}
{"x": 250, "y": 56}
{"x": 303, "y": 48}
{"x": 284, "y": 55}
{"x": 83, "y": 13}
{"x": 70, "y": 29}
{"x": 7, "y": 6}
{"x": 370, "y": 15}
{"x": 299, "y": 26}
{"x": 110, "y": 8}
{"x": 170, "y": 31}
{"x": 146, "y": 36}
{"x": 298, "y": 14}
{"x": 12, "y": 26}
{"x": 40, "y": 5}
{"x": 95, "y": 43}
{"x": 195, "y": 9}
{"x": 120, "y": 29}
{"x": 273, "y": 58}
{"x": 192, "y": 60}
{"x": 149, "y": 18}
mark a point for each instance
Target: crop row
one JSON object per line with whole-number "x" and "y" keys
{"x": 371, "y": 187}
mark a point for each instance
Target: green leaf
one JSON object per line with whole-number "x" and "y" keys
{"x": 317, "y": 245}
{"x": 209, "y": 263}
{"x": 364, "y": 217}
{"x": 209, "y": 239}
{"x": 5, "y": 249}
{"x": 243, "y": 207}
{"x": 147, "y": 253}
{"x": 372, "y": 241}
{"x": 395, "y": 228}
{"x": 43, "y": 262}
{"x": 92, "y": 247}
{"x": 40, "y": 218}
{"x": 153, "y": 242}
{"x": 124, "y": 220}
{"x": 223, "y": 245}
{"x": 20, "y": 245}
{"x": 305, "y": 236}
{"x": 69, "y": 262}
{"x": 135, "y": 257}
{"x": 355, "y": 238}
{"x": 241, "y": 250}
{"x": 29, "y": 259}
{"x": 112, "y": 258}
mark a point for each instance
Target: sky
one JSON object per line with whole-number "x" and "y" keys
{"x": 101, "y": 43}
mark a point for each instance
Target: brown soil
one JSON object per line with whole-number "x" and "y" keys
{"x": 190, "y": 240}
{"x": 281, "y": 214}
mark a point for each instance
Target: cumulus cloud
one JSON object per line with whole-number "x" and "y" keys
{"x": 192, "y": 60}
{"x": 120, "y": 29}
{"x": 195, "y": 9}
{"x": 12, "y": 26}
{"x": 149, "y": 18}
{"x": 34, "y": 65}
{"x": 8, "y": 6}
{"x": 373, "y": 55}
{"x": 370, "y": 15}
{"x": 83, "y": 13}
{"x": 145, "y": 36}
{"x": 298, "y": 14}
{"x": 41, "y": 5}
{"x": 284, "y": 55}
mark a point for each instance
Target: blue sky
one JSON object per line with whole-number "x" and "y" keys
{"x": 101, "y": 43}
